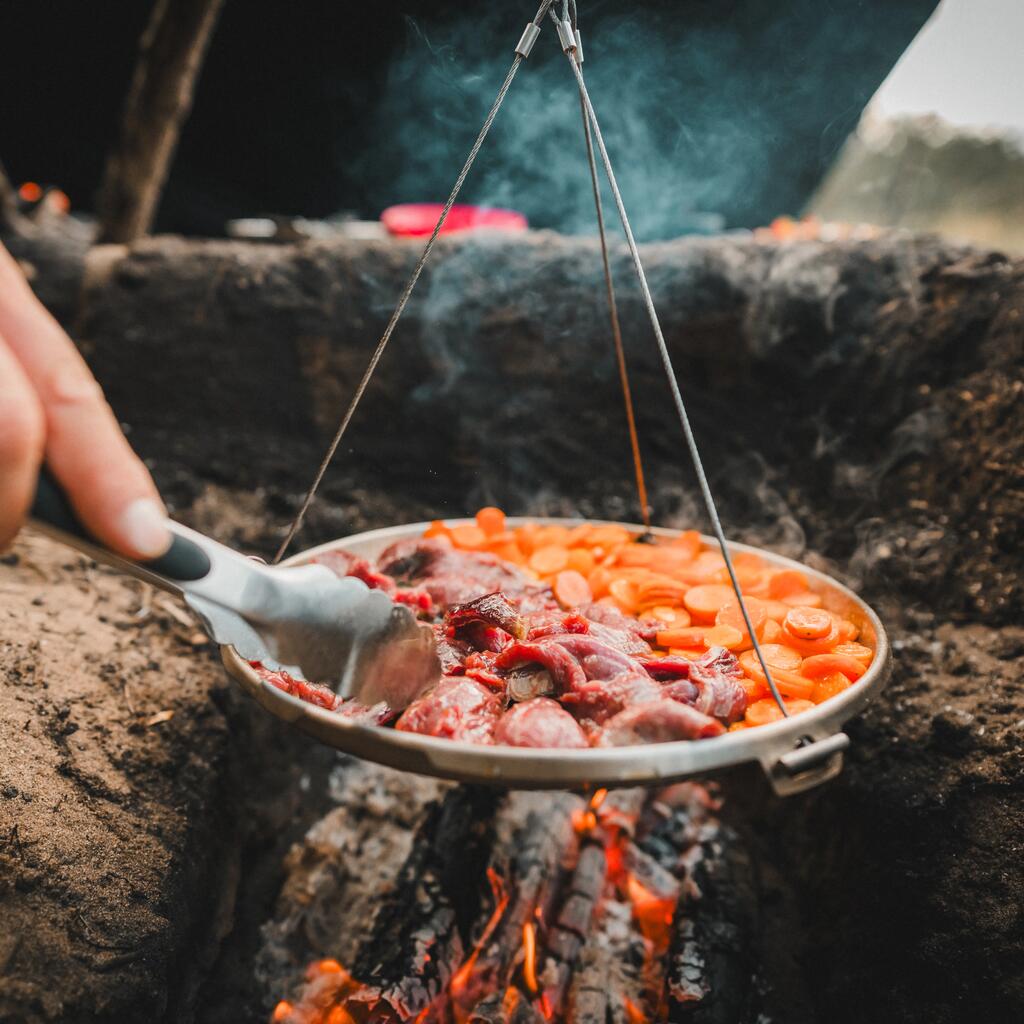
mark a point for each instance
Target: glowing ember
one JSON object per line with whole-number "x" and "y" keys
{"x": 530, "y": 956}
{"x": 634, "y": 1014}
{"x": 653, "y": 914}
{"x": 281, "y": 1011}
{"x": 31, "y": 192}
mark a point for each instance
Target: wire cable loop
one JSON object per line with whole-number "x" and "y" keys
{"x": 666, "y": 359}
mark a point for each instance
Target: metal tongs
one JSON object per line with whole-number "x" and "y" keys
{"x": 304, "y": 620}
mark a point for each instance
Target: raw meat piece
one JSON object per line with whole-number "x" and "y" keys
{"x": 571, "y": 658}
{"x": 658, "y": 721}
{"x": 717, "y": 677}
{"x": 672, "y": 666}
{"x": 612, "y": 617}
{"x": 599, "y": 699}
{"x": 540, "y": 722}
{"x": 312, "y": 693}
{"x": 492, "y": 609}
{"x": 450, "y": 576}
{"x": 344, "y": 563}
{"x": 457, "y": 708}
{"x": 451, "y": 652}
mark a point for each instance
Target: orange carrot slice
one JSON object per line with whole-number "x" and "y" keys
{"x": 789, "y": 683}
{"x": 807, "y": 598}
{"x": 549, "y": 559}
{"x": 703, "y": 601}
{"x": 677, "y": 618}
{"x": 820, "y": 665}
{"x": 829, "y": 686}
{"x": 724, "y": 636}
{"x": 686, "y": 636}
{"x": 581, "y": 560}
{"x": 772, "y": 632}
{"x": 437, "y": 529}
{"x": 526, "y": 537}
{"x": 572, "y": 589}
{"x": 491, "y": 520}
{"x": 785, "y": 582}
{"x": 468, "y": 536}
{"x": 808, "y": 623}
{"x": 776, "y": 610}
{"x": 688, "y": 542}
{"x": 764, "y": 711}
{"x": 854, "y": 650}
{"x": 730, "y": 614}
{"x": 624, "y": 593}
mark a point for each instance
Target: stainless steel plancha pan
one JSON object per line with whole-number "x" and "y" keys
{"x": 795, "y": 754}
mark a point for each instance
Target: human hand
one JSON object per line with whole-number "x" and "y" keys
{"x": 52, "y": 409}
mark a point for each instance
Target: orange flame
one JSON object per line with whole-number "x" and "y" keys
{"x": 530, "y": 956}
{"x": 281, "y": 1011}
{"x": 461, "y": 978}
{"x": 598, "y": 798}
{"x": 634, "y": 1014}
{"x": 653, "y": 913}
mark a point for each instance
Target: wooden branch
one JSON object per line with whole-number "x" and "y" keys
{"x": 159, "y": 99}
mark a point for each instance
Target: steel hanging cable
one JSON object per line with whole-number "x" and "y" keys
{"x": 613, "y": 313}
{"x": 566, "y": 35}
{"x": 523, "y": 48}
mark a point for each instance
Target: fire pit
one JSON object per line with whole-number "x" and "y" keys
{"x": 881, "y": 383}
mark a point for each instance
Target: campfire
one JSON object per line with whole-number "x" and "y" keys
{"x": 583, "y": 910}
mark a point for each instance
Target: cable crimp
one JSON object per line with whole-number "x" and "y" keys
{"x": 579, "y": 46}
{"x": 567, "y": 37}
{"x": 527, "y": 39}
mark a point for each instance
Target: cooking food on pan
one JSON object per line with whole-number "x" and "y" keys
{"x": 551, "y": 636}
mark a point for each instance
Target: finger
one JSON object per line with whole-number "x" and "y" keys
{"x": 110, "y": 489}
{"x": 22, "y": 434}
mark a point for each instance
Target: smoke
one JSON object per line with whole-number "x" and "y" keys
{"x": 676, "y": 163}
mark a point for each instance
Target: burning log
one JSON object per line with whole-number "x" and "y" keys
{"x": 423, "y": 927}
{"x": 711, "y": 962}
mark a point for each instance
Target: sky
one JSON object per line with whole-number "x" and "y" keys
{"x": 966, "y": 65}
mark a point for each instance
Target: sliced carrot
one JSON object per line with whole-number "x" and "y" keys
{"x": 509, "y": 551}
{"x": 724, "y": 636}
{"x": 737, "y": 726}
{"x": 703, "y": 601}
{"x": 437, "y": 529}
{"x": 847, "y": 630}
{"x": 549, "y": 559}
{"x": 686, "y": 636}
{"x": 599, "y": 581}
{"x": 468, "y": 536}
{"x": 690, "y": 653}
{"x": 807, "y": 598}
{"x": 825, "y": 645}
{"x": 624, "y": 593}
{"x": 688, "y": 542}
{"x": 829, "y": 686}
{"x": 677, "y": 618}
{"x": 579, "y": 535}
{"x": 789, "y": 683}
{"x": 854, "y": 650}
{"x": 755, "y": 689}
{"x": 808, "y": 623}
{"x": 491, "y": 520}
{"x": 636, "y": 554}
{"x": 730, "y": 614}
{"x": 780, "y": 656}
{"x": 777, "y": 610}
{"x": 581, "y": 560}
{"x": 572, "y": 589}
{"x": 608, "y": 536}
{"x": 787, "y": 581}
{"x": 772, "y": 632}
{"x": 526, "y": 537}
{"x": 764, "y": 711}
{"x": 820, "y": 665}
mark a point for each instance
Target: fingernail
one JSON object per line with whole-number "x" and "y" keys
{"x": 144, "y": 529}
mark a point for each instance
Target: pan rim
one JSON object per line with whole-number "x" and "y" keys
{"x": 543, "y": 768}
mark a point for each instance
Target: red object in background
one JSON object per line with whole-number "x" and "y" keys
{"x": 410, "y": 220}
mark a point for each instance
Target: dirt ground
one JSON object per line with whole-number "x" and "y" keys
{"x": 874, "y": 426}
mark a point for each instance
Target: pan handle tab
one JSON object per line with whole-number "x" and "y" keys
{"x": 808, "y": 765}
